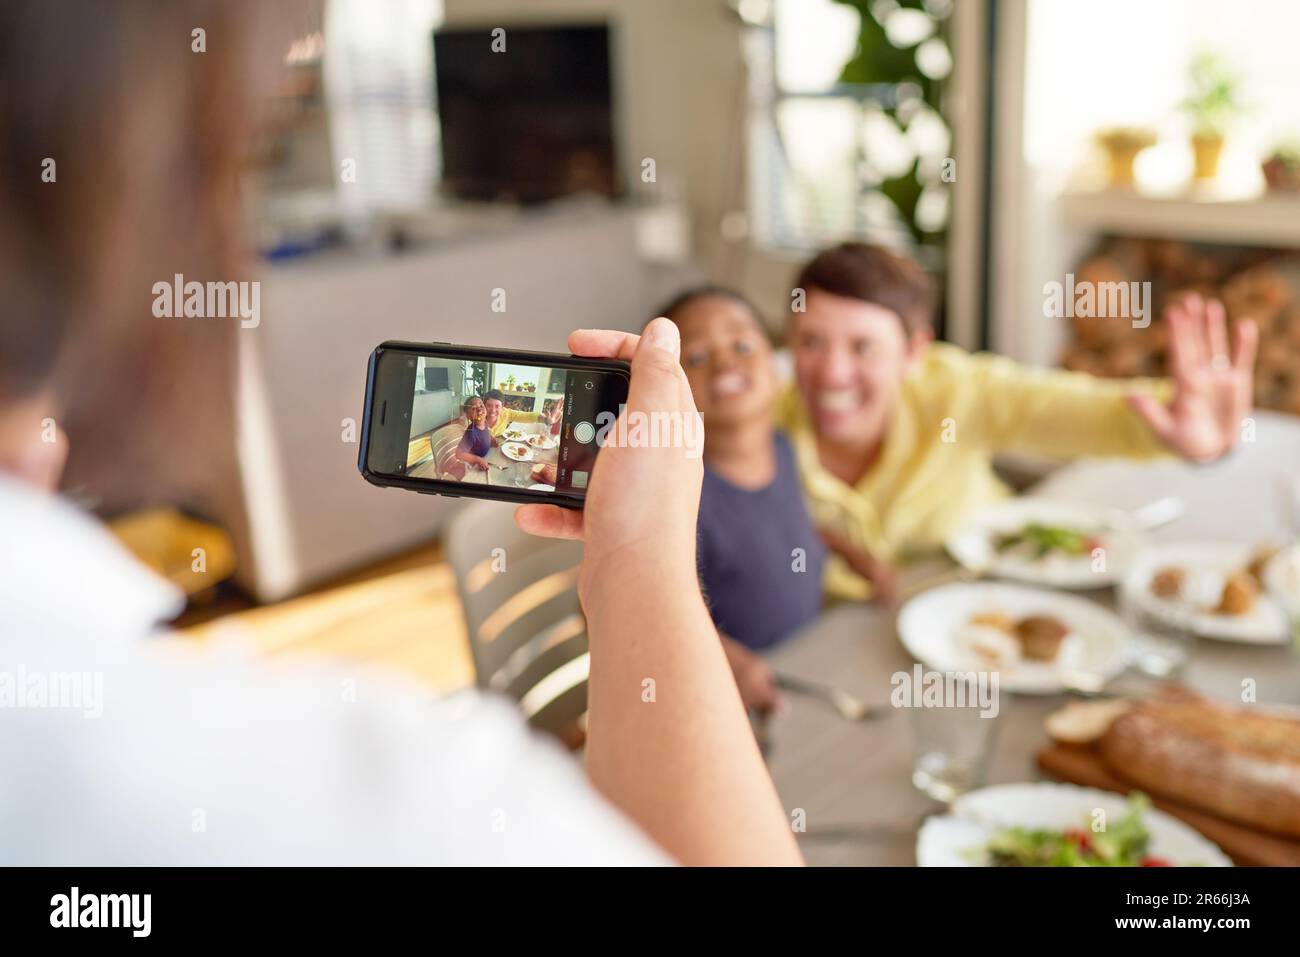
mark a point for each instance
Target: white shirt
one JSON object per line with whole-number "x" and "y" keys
{"x": 122, "y": 746}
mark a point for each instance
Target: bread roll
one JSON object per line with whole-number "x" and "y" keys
{"x": 1242, "y": 765}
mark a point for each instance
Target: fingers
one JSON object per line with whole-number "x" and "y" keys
{"x": 549, "y": 521}
{"x": 662, "y": 384}
{"x": 1188, "y": 342}
{"x": 603, "y": 344}
{"x": 1182, "y": 345}
{"x": 1216, "y": 334}
{"x": 1156, "y": 415}
{"x": 761, "y": 692}
{"x": 658, "y": 382}
{"x": 1245, "y": 344}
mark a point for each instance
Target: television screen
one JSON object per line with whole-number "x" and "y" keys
{"x": 530, "y": 123}
{"x": 435, "y": 379}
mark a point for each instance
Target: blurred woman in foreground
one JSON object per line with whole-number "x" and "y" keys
{"x": 170, "y": 759}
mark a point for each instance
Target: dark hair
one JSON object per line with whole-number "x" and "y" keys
{"x": 143, "y": 141}
{"x": 670, "y": 309}
{"x": 493, "y": 394}
{"x": 687, "y": 297}
{"x": 464, "y": 406}
{"x": 876, "y": 275}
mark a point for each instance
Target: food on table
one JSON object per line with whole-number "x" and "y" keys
{"x": 995, "y": 647}
{"x": 540, "y": 441}
{"x": 1121, "y": 843}
{"x": 1001, "y": 640}
{"x": 544, "y": 473}
{"x": 513, "y": 434}
{"x": 1241, "y": 764}
{"x": 1083, "y": 722}
{"x": 517, "y": 451}
{"x": 1037, "y": 541}
{"x": 1168, "y": 582}
{"x": 1041, "y": 636}
{"x": 1259, "y": 561}
{"x": 994, "y": 619}
{"x": 1239, "y": 593}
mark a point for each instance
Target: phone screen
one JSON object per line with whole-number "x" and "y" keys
{"x": 491, "y": 420}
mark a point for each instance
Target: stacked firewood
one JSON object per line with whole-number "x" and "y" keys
{"x": 1263, "y": 285}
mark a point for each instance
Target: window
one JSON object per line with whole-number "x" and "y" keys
{"x": 847, "y": 136}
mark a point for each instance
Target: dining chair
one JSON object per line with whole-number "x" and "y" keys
{"x": 443, "y": 442}
{"x": 527, "y": 635}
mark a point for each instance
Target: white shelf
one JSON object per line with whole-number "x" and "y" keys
{"x": 1268, "y": 220}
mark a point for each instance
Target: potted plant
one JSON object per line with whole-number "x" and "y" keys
{"x": 509, "y": 383}
{"x": 1211, "y": 105}
{"x": 1282, "y": 168}
{"x": 1122, "y": 144}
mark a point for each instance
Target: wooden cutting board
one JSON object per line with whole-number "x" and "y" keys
{"x": 1246, "y": 846}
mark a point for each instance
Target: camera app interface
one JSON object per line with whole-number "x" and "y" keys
{"x": 520, "y": 426}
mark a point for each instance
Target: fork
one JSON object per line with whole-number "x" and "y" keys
{"x": 850, "y": 708}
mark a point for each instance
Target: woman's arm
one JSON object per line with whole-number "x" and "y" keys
{"x": 755, "y": 679}
{"x": 668, "y": 739}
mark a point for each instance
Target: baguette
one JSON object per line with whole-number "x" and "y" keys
{"x": 1241, "y": 765}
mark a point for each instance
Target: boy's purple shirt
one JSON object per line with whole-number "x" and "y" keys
{"x": 752, "y": 545}
{"x": 476, "y": 441}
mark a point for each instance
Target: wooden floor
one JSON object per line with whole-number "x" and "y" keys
{"x": 403, "y": 613}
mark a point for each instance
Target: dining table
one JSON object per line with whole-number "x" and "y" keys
{"x": 503, "y": 470}
{"x": 847, "y": 784}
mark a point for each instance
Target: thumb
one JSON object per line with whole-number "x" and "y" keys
{"x": 1153, "y": 412}
{"x": 657, "y": 375}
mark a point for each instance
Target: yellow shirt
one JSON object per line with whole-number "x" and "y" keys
{"x": 935, "y": 468}
{"x": 509, "y": 416}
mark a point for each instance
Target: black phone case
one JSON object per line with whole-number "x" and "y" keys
{"x": 458, "y": 489}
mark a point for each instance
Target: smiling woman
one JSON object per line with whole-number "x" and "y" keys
{"x": 895, "y": 435}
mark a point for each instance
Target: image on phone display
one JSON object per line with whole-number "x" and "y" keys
{"x": 503, "y": 425}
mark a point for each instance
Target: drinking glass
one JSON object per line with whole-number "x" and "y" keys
{"x": 1159, "y": 646}
{"x": 953, "y": 745}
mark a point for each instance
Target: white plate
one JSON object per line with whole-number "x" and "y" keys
{"x": 972, "y": 544}
{"x": 1093, "y": 653}
{"x": 539, "y": 487}
{"x": 540, "y": 441}
{"x": 513, "y": 434}
{"x": 517, "y": 451}
{"x": 1207, "y": 565}
{"x": 956, "y": 839}
{"x": 1282, "y": 579}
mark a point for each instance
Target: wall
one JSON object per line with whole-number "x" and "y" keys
{"x": 310, "y": 515}
{"x": 1112, "y": 63}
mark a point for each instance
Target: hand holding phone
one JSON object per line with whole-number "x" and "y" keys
{"x": 640, "y": 512}
{"x": 487, "y": 423}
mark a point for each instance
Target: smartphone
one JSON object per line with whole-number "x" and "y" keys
{"x": 486, "y": 423}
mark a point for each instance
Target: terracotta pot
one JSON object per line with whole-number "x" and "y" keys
{"x": 1206, "y": 150}
{"x": 1122, "y": 148}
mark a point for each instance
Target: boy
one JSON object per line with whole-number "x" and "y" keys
{"x": 760, "y": 558}
{"x": 477, "y": 440}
